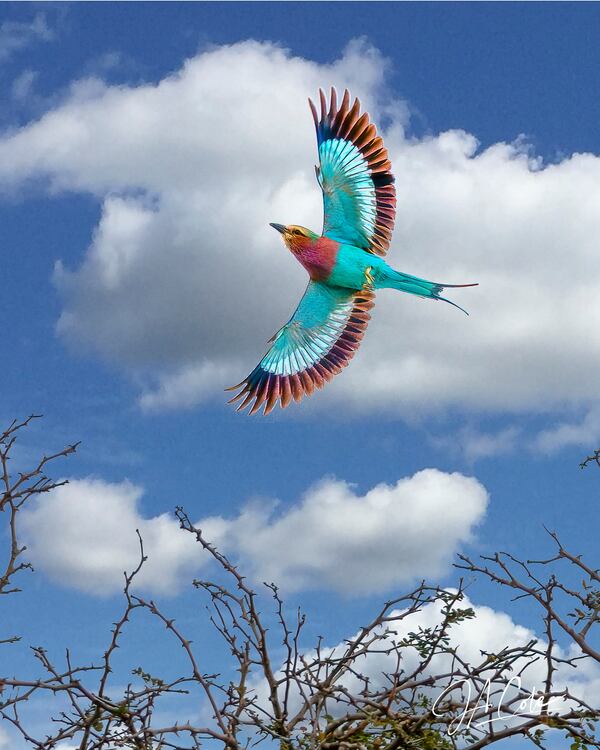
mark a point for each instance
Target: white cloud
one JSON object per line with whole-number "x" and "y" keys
{"x": 493, "y": 630}
{"x": 489, "y": 631}
{"x": 23, "y": 84}
{"x": 474, "y": 444}
{"x": 83, "y": 535}
{"x": 585, "y": 432}
{"x": 497, "y": 218}
{"x": 335, "y": 538}
{"x": 173, "y": 278}
{"x": 185, "y": 387}
{"x": 17, "y": 35}
{"x": 184, "y": 280}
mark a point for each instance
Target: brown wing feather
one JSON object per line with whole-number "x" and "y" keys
{"x": 345, "y": 122}
{"x": 262, "y": 388}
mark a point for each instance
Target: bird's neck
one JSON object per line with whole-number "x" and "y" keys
{"x": 317, "y": 256}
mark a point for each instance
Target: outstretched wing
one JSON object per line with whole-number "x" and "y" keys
{"x": 319, "y": 340}
{"x": 359, "y": 198}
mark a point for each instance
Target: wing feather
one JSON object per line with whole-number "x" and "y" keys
{"x": 359, "y": 198}
{"x": 318, "y": 341}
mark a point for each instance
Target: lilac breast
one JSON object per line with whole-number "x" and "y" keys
{"x": 318, "y": 258}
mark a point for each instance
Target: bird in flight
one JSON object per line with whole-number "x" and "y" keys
{"x": 344, "y": 262}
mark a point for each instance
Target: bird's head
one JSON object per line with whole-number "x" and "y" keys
{"x": 294, "y": 236}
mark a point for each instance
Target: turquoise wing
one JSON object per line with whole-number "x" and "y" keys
{"x": 319, "y": 340}
{"x": 359, "y": 197}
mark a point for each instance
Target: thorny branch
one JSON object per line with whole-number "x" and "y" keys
{"x": 593, "y": 458}
{"x": 16, "y": 491}
{"x": 405, "y": 679}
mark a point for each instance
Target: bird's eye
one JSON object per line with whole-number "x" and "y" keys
{"x": 297, "y": 231}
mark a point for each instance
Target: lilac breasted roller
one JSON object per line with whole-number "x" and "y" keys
{"x": 344, "y": 262}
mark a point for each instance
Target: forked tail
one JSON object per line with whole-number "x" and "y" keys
{"x": 404, "y": 282}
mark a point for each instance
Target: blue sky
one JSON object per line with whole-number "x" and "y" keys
{"x": 484, "y": 106}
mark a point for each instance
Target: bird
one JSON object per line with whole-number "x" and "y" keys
{"x": 345, "y": 262}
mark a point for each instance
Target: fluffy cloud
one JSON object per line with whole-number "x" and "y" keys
{"x": 335, "y": 538}
{"x": 474, "y": 444}
{"x": 183, "y": 280}
{"x": 489, "y": 631}
{"x": 83, "y": 535}
{"x": 585, "y": 432}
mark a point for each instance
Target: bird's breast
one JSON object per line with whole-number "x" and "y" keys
{"x": 318, "y": 257}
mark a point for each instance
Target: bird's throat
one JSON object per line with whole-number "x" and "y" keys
{"x": 317, "y": 256}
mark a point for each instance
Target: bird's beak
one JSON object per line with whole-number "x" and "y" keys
{"x": 279, "y": 227}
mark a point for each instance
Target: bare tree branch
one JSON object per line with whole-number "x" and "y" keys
{"x": 394, "y": 683}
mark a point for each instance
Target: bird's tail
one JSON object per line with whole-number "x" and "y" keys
{"x": 404, "y": 282}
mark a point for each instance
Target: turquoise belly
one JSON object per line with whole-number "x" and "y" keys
{"x": 350, "y": 266}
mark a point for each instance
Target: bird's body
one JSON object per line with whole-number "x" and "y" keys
{"x": 344, "y": 262}
{"x": 346, "y": 266}
{"x": 350, "y": 268}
